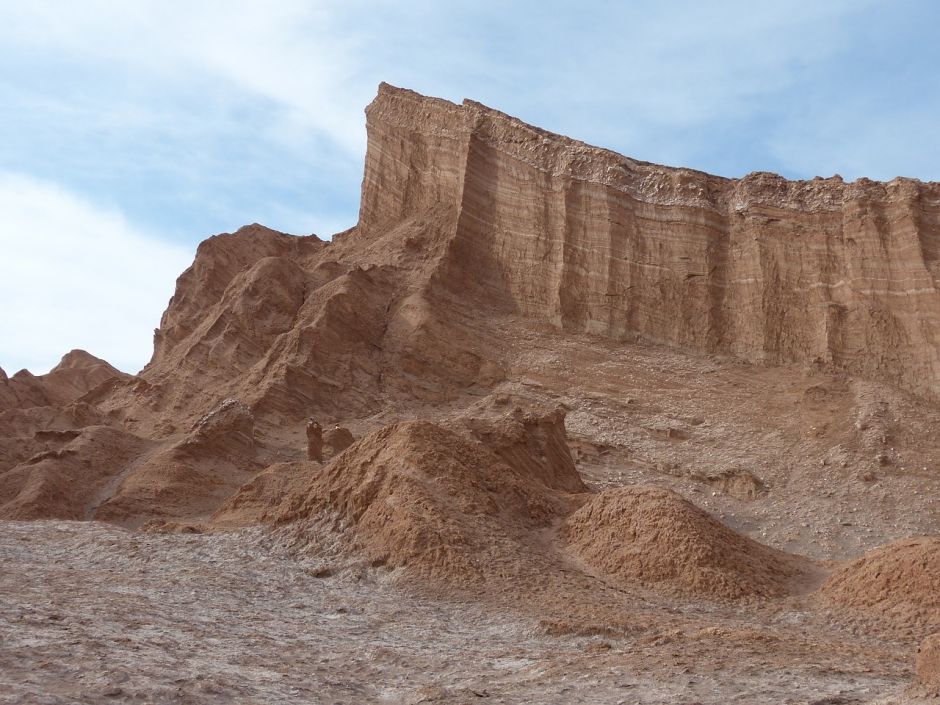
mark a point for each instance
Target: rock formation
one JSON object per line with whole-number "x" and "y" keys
{"x": 761, "y": 268}
{"x": 337, "y": 439}
{"x": 470, "y": 217}
{"x": 507, "y": 294}
{"x": 314, "y": 441}
{"x": 467, "y": 213}
{"x": 76, "y": 374}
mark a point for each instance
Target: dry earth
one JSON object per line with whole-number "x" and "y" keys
{"x": 97, "y": 614}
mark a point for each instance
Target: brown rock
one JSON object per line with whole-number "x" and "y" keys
{"x": 336, "y": 440}
{"x": 736, "y": 482}
{"x": 591, "y": 241}
{"x": 314, "y": 441}
{"x": 77, "y": 374}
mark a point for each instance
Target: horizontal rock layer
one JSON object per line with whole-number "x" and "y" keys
{"x": 761, "y": 268}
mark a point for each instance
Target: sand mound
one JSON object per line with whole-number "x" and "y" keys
{"x": 432, "y": 499}
{"x": 899, "y": 583}
{"x": 532, "y": 441}
{"x": 68, "y": 482}
{"x": 928, "y": 664}
{"x": 654, "y": 537}
{"x": 191, "y": 478}
{"x": 259, "y": 500}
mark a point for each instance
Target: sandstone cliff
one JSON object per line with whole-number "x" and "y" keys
{"x": 761, "y": 268}
{"x": 467, "y": 213}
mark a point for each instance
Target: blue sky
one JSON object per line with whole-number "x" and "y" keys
{"x": 130, "y": 131}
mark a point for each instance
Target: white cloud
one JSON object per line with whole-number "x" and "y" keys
{"x": 287, "y": 52}
{"x": 75, "y": 275}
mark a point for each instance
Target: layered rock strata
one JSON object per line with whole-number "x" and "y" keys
{"x": 766, "y": 269}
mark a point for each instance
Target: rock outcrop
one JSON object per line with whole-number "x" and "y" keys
{"x": 762, "y": 268}
{"x": 467, "y": 213}
{"x": 77, "y": 374}
{"x": 336, "y": 440}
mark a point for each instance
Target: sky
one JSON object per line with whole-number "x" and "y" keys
{"x": 130, "y": 130}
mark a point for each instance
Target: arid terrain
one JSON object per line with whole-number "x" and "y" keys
{"x": 548, "y": 425}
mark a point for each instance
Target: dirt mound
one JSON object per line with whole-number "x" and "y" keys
{"x": 654, "y": 537}
{"x": 928, "y": 664}
{"x": 259, "y": 500}
{"x": 67, "y": 483}
{"x": 191, "y": 478}
{"x": 898, "y": 583}
{"x": 435, "y": 500}
{"x": 532, "y": 440}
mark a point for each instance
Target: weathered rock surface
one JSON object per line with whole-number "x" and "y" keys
{"x": 762, "y": 268}
{"x": 71, "y": 481}
{"x": 337, "y": 439}
{"x": 189, "y": 479}
{"x": 76, "y": 374}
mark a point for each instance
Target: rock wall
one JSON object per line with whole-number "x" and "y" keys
{"x": 766, "y": 269}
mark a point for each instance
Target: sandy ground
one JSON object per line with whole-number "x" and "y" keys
{"x": 95, "y": 614}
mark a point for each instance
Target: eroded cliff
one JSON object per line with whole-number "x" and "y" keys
{"x": 762, "y": 268}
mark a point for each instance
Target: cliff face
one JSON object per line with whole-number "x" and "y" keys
{"x": 471, "y": 221}
{"x": 762, "y": 268}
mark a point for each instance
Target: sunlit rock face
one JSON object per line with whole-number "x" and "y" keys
{"x": 762, "y": 268}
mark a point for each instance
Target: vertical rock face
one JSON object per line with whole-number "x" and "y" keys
{"x": 762, "y": 268}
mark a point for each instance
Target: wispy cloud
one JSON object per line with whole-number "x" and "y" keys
{"x": 75, "y": 275}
